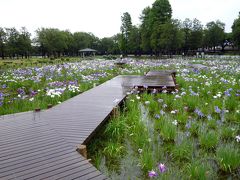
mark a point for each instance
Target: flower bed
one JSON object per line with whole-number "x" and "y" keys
{"x": 192, "y": 133}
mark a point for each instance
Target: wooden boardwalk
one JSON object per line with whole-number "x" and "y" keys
{"x": 198, "y": 66}
{"x": 42, "y": 145}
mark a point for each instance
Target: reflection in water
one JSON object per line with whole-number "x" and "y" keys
{"x": 129, "y": 166}
{"x": 153, "y": 136}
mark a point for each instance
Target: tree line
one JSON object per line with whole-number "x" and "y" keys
{"x": 157, "y": 34}
{"x": 160, "y": 34}
{"x": 51, "y": 42}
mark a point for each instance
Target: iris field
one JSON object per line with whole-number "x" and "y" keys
{"x": 192, "y": 133}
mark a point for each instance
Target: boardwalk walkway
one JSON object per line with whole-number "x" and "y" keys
{"x": 42, "y": 145}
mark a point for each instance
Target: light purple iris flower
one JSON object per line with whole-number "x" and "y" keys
{"x": 217, "y": 110}
{"x": 152, "y": 173}
{"x": 162, "y": 167}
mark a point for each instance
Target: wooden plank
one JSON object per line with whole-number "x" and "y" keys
{"x": 28, "y": 143}
{"x": 161, "y": 73}
{"x": 15, "y": 153}
{"x": 93, "y": 175}
{"x": 69, "y": 170}
{"x": 84, "y": 174}
{"x": 36, "y": 160}
{"x": 46, "y": 168}
{"x": 28, "y": 166}
{"x": 33, "y": 155}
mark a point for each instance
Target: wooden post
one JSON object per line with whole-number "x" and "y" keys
{"x": 82, "y": 149}
{"x": 115, "y": 112}
{"x": 177, "y": 86}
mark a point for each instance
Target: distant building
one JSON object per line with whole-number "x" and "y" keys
{"x": 87, "y": 52}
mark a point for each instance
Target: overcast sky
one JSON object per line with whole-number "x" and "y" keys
{"x": 103, "y": 17}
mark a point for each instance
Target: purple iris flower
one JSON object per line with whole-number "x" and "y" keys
{"x": 145, "y": 86}
{"x": 162, "y": 168}
{"x": 217, "y": 110}
{"x": 199, "y": 113}
{"x": 4, "y": 86}
{"x": 21, "y": 91}
{"x": 154, "y": 91}
{"x": 1, "y": 95}
{"x": 209, "y": 117}
{"x": 187, "y": 134}
{"x": 188, "y": 125}
{"x": 152, "y": 173}
{"x": 33, "y": 93}
{"x": 157, "y": 116}
{"x": 227, "y": 92}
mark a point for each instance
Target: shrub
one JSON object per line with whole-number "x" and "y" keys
{"x": 168, "y": 131}
{"x": 208, "y": 140}
{"x": 113, "y": 150}
{"x": 183, "y": 151}
{"x": 116, "y": 129}
{"x": 147, "y": 159}
{"x": 227, "y": 133}
{"x": 212, "y": 124}
{"x": 193, "y": 129}
{"x": 228, "y": 158}
{"x": 198, "y": 170}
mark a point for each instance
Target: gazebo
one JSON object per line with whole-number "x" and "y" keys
{"x": 87, "y": 51}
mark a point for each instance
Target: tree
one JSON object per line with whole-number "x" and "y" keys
{"x": 12, "y": 42}
{"x": 68, "y": 38}
{"x": 193, "y": 34}
{"x": 3, "y": 39}
{"x": 116, "y": 39}
{"x": 53, "y": 42}
{"x": 107, "y": 46}
{"x": 83, "y": 40}
{"x": 236, "y": 31}
{"x": 160, "y": 14}
{"x": 135, "y": 40}
{"x": 171, "y": 38}
{"x": 215, "y": 35}
{"x": 196, "y": 37}
{"x": 145, "y": 30}
{"x": 24, "y": 43}
{"x": 187, "y": 29}
{"x": 126, "y": 28}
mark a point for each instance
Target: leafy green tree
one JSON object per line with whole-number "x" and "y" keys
{"x": 171, "y": 38}
{"x": 187, "y": 29}
{"x": 107, "y": 46}
{"x": 135, "y": 41}
{"x": 83, "y": 40}
{"x": 68, "y": 37}
{"x": 24, "y": 43}
{"x": 196, "y": 37}
{"x": 53, "y": 42}
{"x": 116, "y": 39}
{"x": 145, "y": 30}
{"x": 160, "y": 14}
{"x": 215, "y": 35}
{"x": 236, "y": 31}
{"x": 12, "y": 42}
{"x": 193, "y": 34}
{"x": 126, "y": 28}
{"x": 3, "y": 39}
